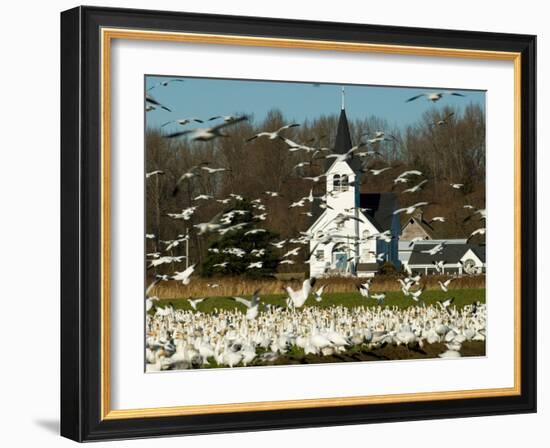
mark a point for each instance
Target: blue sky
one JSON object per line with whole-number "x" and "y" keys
{"x": 205, "y": 97}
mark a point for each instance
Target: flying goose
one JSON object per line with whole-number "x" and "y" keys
{"x": 480, "y": 231}
{"x": 195, "y": 302}
{"x": 154, "y": 173}
{"x": 272, "y": 135}
{"x": 182, "y": 121}
{"x": 445, "y": 285}
{"x": 411, "y": 209}
{"x": 298, "y": 298}
{"x": 164, "y": 83}
{"x": 252, "y": 305}
{"x": 416, "y": 188}
{"x": 207, "y": 134}
{"x": 443, "y": 121}
{"x": 150, "y": 101}
{"x": 380, "y": 171}
{"x": 184, "y": 276}
{"x": 433, "y": 96}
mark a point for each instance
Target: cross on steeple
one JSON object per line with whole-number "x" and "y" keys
{"x": 343, "y": 98}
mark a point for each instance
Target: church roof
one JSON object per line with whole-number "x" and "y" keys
{"x": 381, "y": 207}
{"x": 343, "y": 143}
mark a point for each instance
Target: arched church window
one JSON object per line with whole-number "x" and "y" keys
{"x": 336, "y": 182}
{"x": 344, "y": 182}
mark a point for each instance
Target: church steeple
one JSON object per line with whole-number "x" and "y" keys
{"x": 343, "y": 143}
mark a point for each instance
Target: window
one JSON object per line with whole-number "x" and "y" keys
{"x": 340, "y": 182}
{"x": 344, "y": 183}
{"x": 336, "y": 182}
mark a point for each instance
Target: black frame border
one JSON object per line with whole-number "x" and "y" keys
{"x": 81, "y": 223}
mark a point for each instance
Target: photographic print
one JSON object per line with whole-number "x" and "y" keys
{"x": 303, "y": 223}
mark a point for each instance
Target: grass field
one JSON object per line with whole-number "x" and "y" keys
{"x": 241, "y": 286}
{"x": 351, "y": 299}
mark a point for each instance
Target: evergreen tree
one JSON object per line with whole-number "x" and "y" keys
{"x": 239, "y": 248}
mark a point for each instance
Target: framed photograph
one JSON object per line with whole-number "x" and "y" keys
{"x": 277, "y": 224}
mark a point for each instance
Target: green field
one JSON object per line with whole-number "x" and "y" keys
{"x": 462, "y": 297}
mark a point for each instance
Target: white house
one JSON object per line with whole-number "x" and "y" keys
{"x": 455, "y": 258}
{"x": 351, "y": 247}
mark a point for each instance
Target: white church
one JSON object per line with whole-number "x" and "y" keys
{"x": 350, "y": 251}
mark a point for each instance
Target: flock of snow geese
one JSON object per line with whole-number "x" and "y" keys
{"x": 185, "y": 339}
{"x": 181, "y": 339}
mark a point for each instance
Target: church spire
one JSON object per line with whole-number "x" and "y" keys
{"x": 343, "y": 98}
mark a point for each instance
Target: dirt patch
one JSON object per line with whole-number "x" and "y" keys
{"x": 385, "y": 353}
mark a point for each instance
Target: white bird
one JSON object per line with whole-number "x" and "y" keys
{"x": 149, "y": 302}
{"x": 439, "y": 265}
{"x": 182, "y": 121}
{"x": 415, "y": 295}
{"x": 165, "y": 260}
{"x": 411, "y": 209}
{"x": 345, "y": 156}
{"x": 207, "y": 134}
{"x": 380, "y": 297}
{"x": 319, "y": 293}
{"x": 363, "y": 289}
{"x": 279, "y": 244}
{"x": 287, "y": 262}
{"x": 254, "y": 231}
{"x": 299, "y": 203}
{"x": 292, "y": 253}
{"x": 251, "y": 305}
{"x": 154, "y": 173}
{"x": 433, "y": 96}
{"x": 457, "y": 186}
{"x": 315, "y": 178}
{"x": 190, "y": 173}
{"x": 293, "y": 146}
{"x": 272, "y": 135}
{"x": 255, "y": 265}
{"x": 480, "y": 231}
{"x": 446, "y": 303}
{"x": 203, "y": 197}
{"x": 273, "y": 194}
{"x": 226, "y": 118}
{"x": 437, "y": 219}
{"x": 380, "y": 171}
{"x": 214, "y": 170}
{"x": 403, "y": 177}
{"x": 445, "y": 285}
{"x": 150, "y": 101}
{"x": 434, "y": 250}
{"x": 184, "y": 276}
{"x": 299, "y": 297}
{"x": 195, "y": 302}
{"x": 185, "y": 214}
{"x": 164, "y": 83}
{"x": 416, "y": 188}
{"x": 443, "y": 121}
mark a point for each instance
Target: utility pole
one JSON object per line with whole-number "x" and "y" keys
{"x": 186, "y": 247}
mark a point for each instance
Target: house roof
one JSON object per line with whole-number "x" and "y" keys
{"x": 381, "y": 207}
{"x": 367, "y": 267}
{"x": 421, "y": 223}
{"x": 451, "y": 253}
